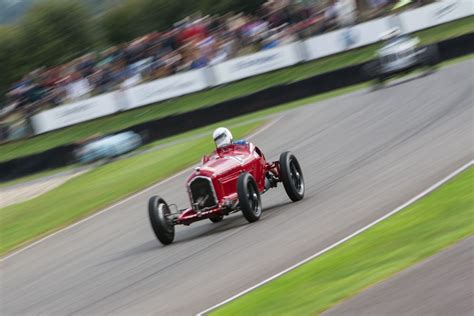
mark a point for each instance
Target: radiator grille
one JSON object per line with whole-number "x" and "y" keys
{"x": 202, "y": 193}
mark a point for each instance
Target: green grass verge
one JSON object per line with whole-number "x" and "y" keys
{"x": 219, "y": 94}
{"x": 99, "y": 188}
{"x": 417, "y": 232}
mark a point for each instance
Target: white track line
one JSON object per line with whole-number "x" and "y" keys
{"x": 398, "y": 209}
{"x": 265, "y": 127}
{"x": 260, "y": 130}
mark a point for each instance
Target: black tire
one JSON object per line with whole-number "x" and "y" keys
{"x": 379, "y": 82}
{"x": 159, "y": 212}
{"x": 371, "y": 69}
{"x": 216, "y": 219}
{"x": 292, "y": 176}
{"x": 431, "y": 57}
{"x": 249, "y": 197}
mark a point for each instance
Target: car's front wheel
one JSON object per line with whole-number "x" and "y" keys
{"x": 430, "y": 57}
{"x": 292, "y": 176}
{"x": 160, "y": 219}
{"x": 249, "y": 197}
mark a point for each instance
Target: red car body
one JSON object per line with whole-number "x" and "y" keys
{"x": 222, "y": 170}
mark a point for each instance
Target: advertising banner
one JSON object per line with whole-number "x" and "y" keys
{"x": 74, "y": 113}
{"x": 258, "y": 63}
{"x": 345, "y": 39}
{"x": 166, "y": 88}
{"x": 436, "y": 13}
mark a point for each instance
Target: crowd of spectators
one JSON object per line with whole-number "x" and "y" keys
{"x": 192, "y": 43}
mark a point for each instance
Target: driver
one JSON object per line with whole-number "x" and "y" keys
{"x": 223, "y": 137}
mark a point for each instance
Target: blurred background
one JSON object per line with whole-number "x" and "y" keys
{"x": 60, "y": 51}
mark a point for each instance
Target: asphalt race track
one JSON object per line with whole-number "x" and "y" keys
{"x": 363, "y": 155}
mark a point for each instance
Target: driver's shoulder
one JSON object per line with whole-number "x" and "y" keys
{"x": 241, "y": 142}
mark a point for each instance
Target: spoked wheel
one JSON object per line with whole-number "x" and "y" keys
{"x": 160, "y": 219}
{"x": 292, "y": 176}
{"x": 249, "y": 197}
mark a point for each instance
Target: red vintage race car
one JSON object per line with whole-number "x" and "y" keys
{"x": 230, "y": 180}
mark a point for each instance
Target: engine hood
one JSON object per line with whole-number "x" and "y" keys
{"x": 217, "y": 166}
{"x": 398, "y": 45}
{"x": 224, "y": 162}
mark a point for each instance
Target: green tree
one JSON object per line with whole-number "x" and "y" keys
{"x": 119, "y": 24}
{"x": 12, "y": 58}
{"x": 138, "y": 17}
{"x": 225, "y": 6}
{"x": 161, "y": 14}
{"x": 56, "y": 31}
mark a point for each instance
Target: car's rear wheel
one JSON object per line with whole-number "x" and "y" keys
{"x": 292, "y": 176}
{"x": 379, "y": 81}
{"x": 249, "y": 197}
{"x": 372, "y": 70}
{"x": 160, "y": 219}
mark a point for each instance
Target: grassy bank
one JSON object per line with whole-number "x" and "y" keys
{"x": 417, "y": 232}
{"x": 216, "y": 95}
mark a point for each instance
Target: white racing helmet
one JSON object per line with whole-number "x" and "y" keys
{"x": 222, "y": 137}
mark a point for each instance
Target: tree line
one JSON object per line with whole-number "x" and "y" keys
{"x": 53, "y": 32}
